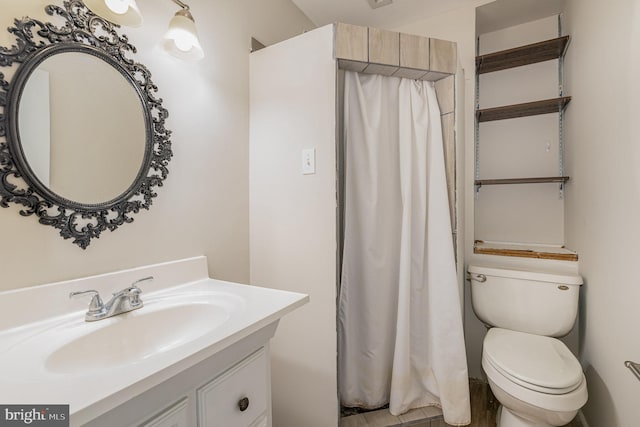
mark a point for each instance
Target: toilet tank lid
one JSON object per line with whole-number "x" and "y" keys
{"x": 514, "y": 273}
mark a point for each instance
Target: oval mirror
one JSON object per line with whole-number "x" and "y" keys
{"x": 81, "y": 127}
{"x": 83, "y": 142}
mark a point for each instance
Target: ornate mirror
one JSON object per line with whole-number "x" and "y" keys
{"x": 82, "y": 137}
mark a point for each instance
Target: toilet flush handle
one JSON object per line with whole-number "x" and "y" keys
{"x": 479, "y": 278}
{"x": 634, "y": 367}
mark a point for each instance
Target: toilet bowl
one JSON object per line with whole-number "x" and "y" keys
{"x": 534, "y": 376}
{"x": 537, "y": 379}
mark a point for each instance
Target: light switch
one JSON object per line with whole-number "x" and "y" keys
{"x": 309, "y": 161}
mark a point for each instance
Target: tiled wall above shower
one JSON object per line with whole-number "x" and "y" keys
{"x": 390, "y": 53}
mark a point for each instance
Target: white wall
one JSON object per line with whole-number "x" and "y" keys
{"x": 204, "y": 206}
{"x": 603, "y": 198}
{"x": 293, "y": 218}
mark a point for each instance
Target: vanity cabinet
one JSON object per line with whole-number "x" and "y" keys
{"x": 237, "y": 397}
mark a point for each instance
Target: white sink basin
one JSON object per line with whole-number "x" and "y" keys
{"x": 168, "y": 323}
{"x": 137, "y": 335}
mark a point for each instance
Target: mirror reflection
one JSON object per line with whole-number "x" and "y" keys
{"x": 82, "y": 128}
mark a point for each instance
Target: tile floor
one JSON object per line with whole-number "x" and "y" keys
{"x": 483, "y": 413}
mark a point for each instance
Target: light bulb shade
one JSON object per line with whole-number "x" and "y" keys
{"x": 122, "y": 12}
{"x": 181, "y": 39}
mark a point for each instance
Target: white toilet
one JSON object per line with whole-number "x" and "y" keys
{"x": 536, "y": 378}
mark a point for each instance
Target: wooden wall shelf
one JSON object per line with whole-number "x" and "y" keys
{"x": 560, "y": 254}
{"x": 523, "y": 55}
{"x": 541, "y": 180}
{"x": 546, "y": 106}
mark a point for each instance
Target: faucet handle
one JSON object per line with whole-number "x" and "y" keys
{"x": 144, "y": 279}
{"x": 96, "y": 305}
{"x": 134, "y": 291}
{"x": 134, "y": 295}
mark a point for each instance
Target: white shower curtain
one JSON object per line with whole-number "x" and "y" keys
{"x": 400, "y": 325}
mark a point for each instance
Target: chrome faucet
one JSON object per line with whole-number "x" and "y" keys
{"x": 124, "y": 301}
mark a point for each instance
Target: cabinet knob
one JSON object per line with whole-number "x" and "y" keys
{"x": 243, "y": 404}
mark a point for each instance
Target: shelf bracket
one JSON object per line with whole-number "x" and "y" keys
{"x": 477, "y": 128}
{"x": 561, "y": 113}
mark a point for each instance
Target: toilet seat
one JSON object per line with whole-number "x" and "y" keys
{"x": 538, "y": 363}
{"x": 571, "y": 401}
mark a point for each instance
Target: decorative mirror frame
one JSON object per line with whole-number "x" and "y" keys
{"x": 82, "y": 31}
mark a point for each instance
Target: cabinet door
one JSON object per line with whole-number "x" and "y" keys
{"x": 238, "y": 397}
{"x": 175, "y": 416}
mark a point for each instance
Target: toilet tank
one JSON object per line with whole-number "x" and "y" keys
{"x": 526, "y": 301}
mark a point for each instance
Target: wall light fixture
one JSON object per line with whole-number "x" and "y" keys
{"x": 181, "y": 39}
